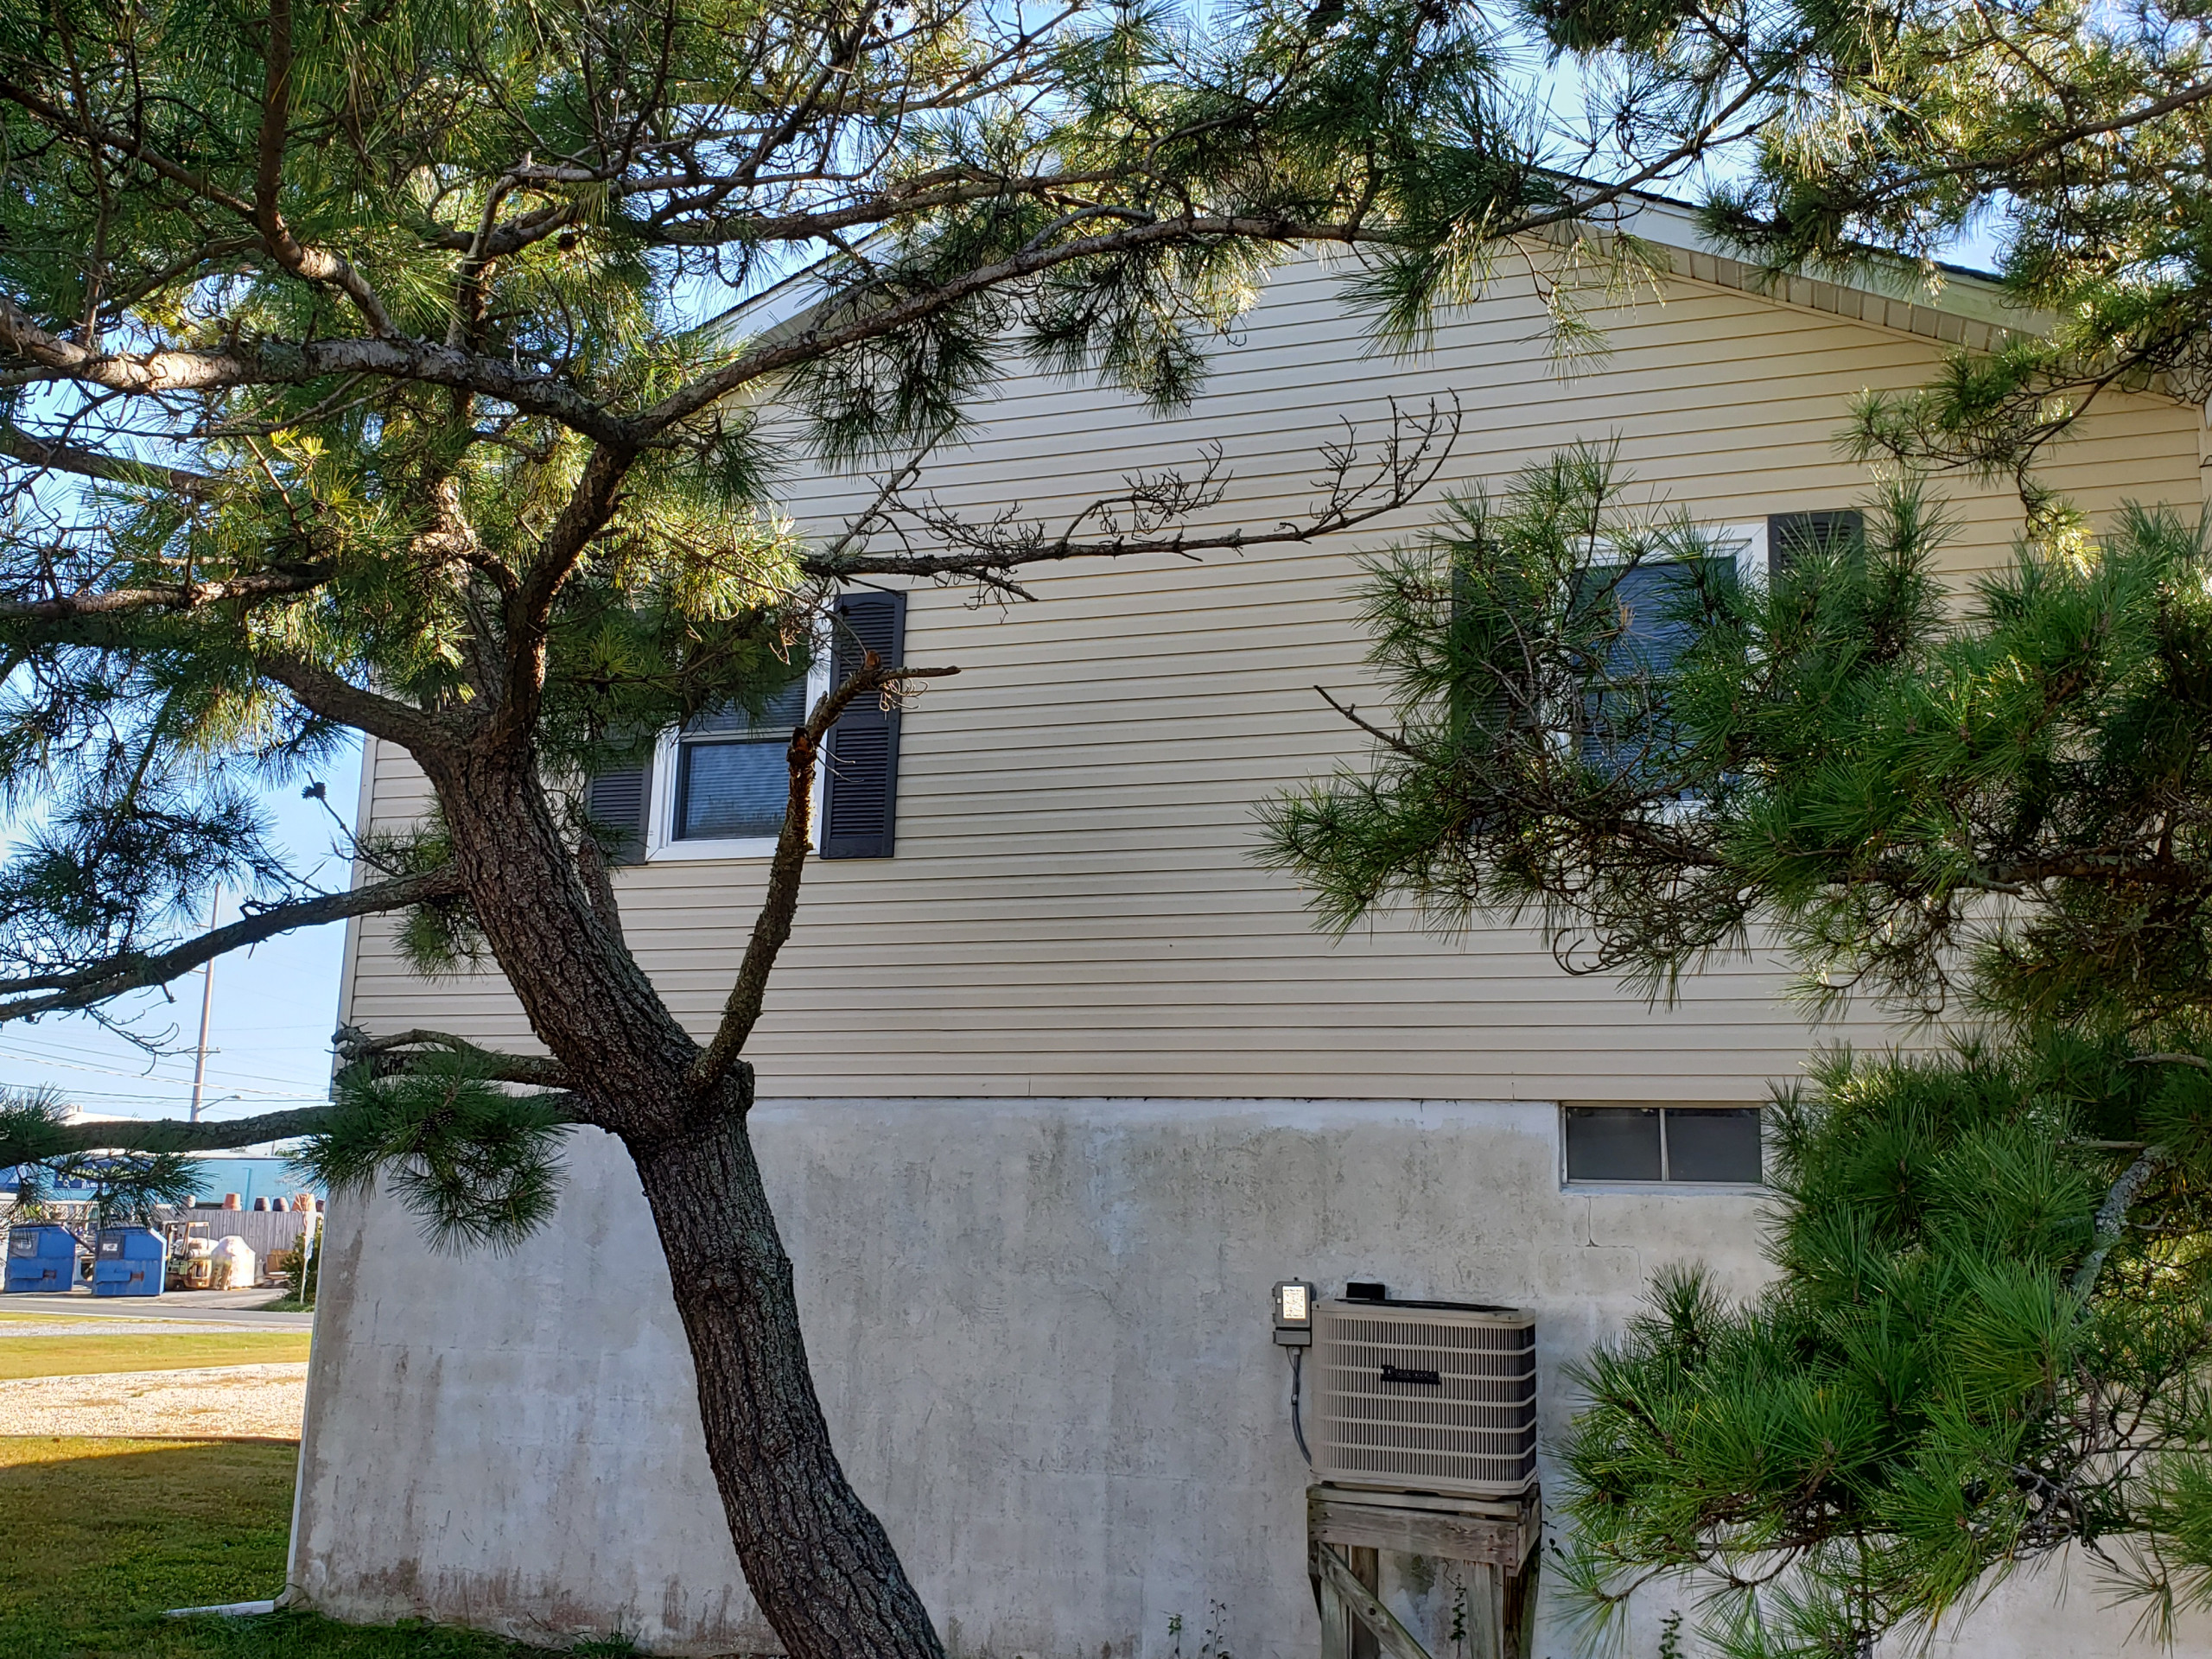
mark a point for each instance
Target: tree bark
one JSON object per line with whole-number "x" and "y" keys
{"x": 816, "y": 1559}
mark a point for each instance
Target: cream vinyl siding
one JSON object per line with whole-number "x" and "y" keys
{"x": 1073, "y": 910}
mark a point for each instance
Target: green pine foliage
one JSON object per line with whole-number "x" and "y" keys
{"x": 1955, "y": 1373}
{"x": 129, "y": 1189}
{"x": 330, "y": 335}
{"x": 478, "y": 1165}
{"x": 2068, "y": 135}
{"x": 1987, "y": 1335}
{"x": 2007, "y": 808}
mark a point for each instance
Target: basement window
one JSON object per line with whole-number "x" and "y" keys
{"x": 1667, "y": 1145}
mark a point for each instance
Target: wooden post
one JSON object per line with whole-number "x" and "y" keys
{"x": 1347, "y": 1528}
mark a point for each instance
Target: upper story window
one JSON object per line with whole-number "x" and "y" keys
{"x": 1621, "y": 728}
{"x": 732, "y": 782}
{"x": 718, "y": 788}
{"x": 1711, "y": 1146}
{"x": 720, "y": 785}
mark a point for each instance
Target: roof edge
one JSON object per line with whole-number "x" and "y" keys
{"x": 1959, "y": 308}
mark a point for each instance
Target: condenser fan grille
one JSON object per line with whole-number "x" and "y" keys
{"x": 1436, "y": 1401}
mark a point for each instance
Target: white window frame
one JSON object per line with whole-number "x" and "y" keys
{"x": 1748, "y": 538}
{"x": 661, "y": 845}
{"x": 1663, "y": 1185}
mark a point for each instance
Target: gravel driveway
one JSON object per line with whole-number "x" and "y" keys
{"x": 217, "y": 1402}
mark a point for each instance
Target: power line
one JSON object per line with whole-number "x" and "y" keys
{"x": 52, "y": 1054}
{"x": 110, "y": 1071}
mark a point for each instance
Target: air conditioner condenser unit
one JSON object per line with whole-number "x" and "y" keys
{"x": 1428, "y": 1396}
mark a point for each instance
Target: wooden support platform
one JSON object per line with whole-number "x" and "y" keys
{"x": 1348, "y": 1528}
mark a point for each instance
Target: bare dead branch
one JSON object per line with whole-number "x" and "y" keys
{"x": 101, "y": 981}
{"x": 773, "y": 927}
{"x": 1390, "y": 740}
{"x": 937, "y": 542}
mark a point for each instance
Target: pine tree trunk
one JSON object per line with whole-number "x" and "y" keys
{"x": 817, "y": 1561}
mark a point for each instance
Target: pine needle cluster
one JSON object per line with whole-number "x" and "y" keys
{"x": 1988, "y": 1336}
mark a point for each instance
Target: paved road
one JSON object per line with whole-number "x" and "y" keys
{"x": 230, "y": 1307}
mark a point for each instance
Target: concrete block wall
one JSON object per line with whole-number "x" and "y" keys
{"x": 1040, "y": 1330}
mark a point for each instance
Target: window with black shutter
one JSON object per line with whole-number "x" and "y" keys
{"x": 733, "y": 771}
{"x": 1624, "y": 725}
{"x": 859, "y": 814}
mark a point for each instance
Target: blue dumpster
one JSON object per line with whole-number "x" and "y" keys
{"x": 41, "y": 1257}
{"x": 128, "y": 1262}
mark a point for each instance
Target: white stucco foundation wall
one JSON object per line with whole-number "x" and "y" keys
{"x": 1040, "y": 1331}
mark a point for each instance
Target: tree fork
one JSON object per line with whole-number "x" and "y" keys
{"x": 814, "y": 1556}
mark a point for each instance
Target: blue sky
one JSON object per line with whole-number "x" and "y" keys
{"x": 274, "y": 1007}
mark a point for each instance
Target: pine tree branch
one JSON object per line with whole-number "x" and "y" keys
{"x": 21, "y": 1144}
{"x": 93, "y": 463}
{"x": 2112, "y": 1218}
{"x": 821, "y": 340}
{"x": 46, "y": 357}
{"x": 539, "y": 1071}
{"x": 885, "y": 207}
{"x": 315, "y": 264}
{"x": 61, "y": 119}
{"x": 177, "y": 596}
{"x": 529, "y": 612}
{"x": 772, "y": 926}
{"x": 335, "y": 698}
{"x": 103, "y": 980}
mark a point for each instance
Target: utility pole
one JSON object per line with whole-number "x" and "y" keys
{"x": 206, "y": 1007}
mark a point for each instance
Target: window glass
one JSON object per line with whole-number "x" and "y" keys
{"x": 1613, "y": 1143}
{"x": 731, "y": 791}
{"x": 1624, "y": 725}
{"x": 1713, "y": 1144}
{"x": 732, "y": 779}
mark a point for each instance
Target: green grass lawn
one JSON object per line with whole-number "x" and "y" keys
{"x": 92, "y": 1354}
{"x": 101, "y": 1536}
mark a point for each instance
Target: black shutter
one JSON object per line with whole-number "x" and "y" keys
{"x": 1793, "y": 536}
{"x": 617, "y": 800}
{"x": 861, "y": 778}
